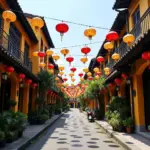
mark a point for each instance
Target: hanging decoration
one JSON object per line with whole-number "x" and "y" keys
{"x": 99, "y": 73}
{"x": 80, "y": 75}
{"x": 34, "y": 85}
{"x": 49, "y": 52}
{"x": 56, "y": 78}
{"x": 37, "y": 22}
{"x": 129, "y": 39}
{"x": 21, "y": 76}
{"x": 41, "y": 54}
{"x": 89, "y": 74}
{"x": 50, "y": 66}
{"x": 71, "y": 74}
{"x": 28, "y": 81}
{"x": 56, "y": 57}
{"x": 96, "y": 69}
{"x": 72, "y": 79}
{"x": 9, "y": 15}
{"x": 61, "y": 73}
{"x": 107, "y": 71}
{"x": 9, "y": 69}
{"x": 65, "y": 52}
{"x": 124, "y": 76}
{"x": 118, "y": 81}
{"x": 146, "y": 56}
{"x": 85, "y": 50}
{"x": 112, "y": 36}
{"x": 62, "y": 28}
{"x": 84, "y": 60}
{"x": 42, "y": 64}
{"x": 85, "y": 70}
{"x": 35, "y": 54}
{"x": 61, "y": 68}
{"x": 116, "y": 57}
{"x": 70, "y": 59}
{"x": 90, "y": 78}
{"x": 73, "y": 69}
{"x": 90, "y": 33}
{"x": 97, "y": 77}
{"x": 65, "y": 79}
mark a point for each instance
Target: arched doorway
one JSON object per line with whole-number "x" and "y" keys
{"x": 146, "y": 91}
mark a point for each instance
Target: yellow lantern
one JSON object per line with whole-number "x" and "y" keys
{"x": 56, "y": 57}
{"x": 42, "y": 64}
{"x": 72, "y": 84}
{"x": 116, "y": 56}
{"x": 72, "y": 79}
{"x": 51, "y": 71}
{"x": 85, "y": 70}
{"x": 65, "y": 52}
{"x": 89, "y": 74}
{"x": 90, "y": 33}
{"x": 129, "y": 39}
{"x": 109, "y": 46}
{"x": 71, "y": 74}
{"x": 61, "y": 73}
{"x": 37, "y": 22}
{"x": 35, "y": 54}
{"x": 9, "y": 15}
{"x": 97, "y": 77}
{"x": 81, "y": 79}
{"x": 56, "y": 79}
{"x": 61, "y": 68}
{"x": 107, "y": 70}
{"x": 96, "y": 70}
{"x": 49, "y": 52}
{"x": 84, "y": 59}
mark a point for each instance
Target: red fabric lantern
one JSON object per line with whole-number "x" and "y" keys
{"x": 62, "y": 28}
{"x": 70, "y": 59}
{"x": 9, "y": 69}
{"x": 110, "y": 85}
{"x": 123, "y": 75}
{"x": 50, "y": 66}
{"x": 85, "y": 50}
{"x": 146, "y": 56}
{"x": 117, "y": 81}
{"x": 65, "y": 79}
{"x": 112, "y": 36}
{"x": 73, "y": 69}
{"x": 90, "y": 78}
{"x": 21, "y": 76}
{"x": 41, "y": 54}
{"x": 28, "y": 81}
{"x": 80, "y": 74}
{"x": 34, "y": 85}
{"x": 99, "y": 73}
{"x": 100, "y": 59}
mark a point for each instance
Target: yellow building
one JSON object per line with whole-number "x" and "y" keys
{"x": 133, "y": 71}
{"x": 18, "y": 67}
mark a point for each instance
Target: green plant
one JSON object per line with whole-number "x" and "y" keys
{"x": 11, "y": 136}
{"x": 2, "y": 136}
{"x": 128, "y": 122}
{"x": 43, "y": 118}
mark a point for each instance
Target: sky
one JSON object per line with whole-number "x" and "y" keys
{"x": 96, "y": 13}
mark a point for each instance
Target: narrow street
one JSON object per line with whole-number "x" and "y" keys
{"x": 73, "y": 131}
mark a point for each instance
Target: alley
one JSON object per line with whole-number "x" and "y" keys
{"x": 72, "y": 132}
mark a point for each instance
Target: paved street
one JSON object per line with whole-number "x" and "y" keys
{"x": 73, "y": 132}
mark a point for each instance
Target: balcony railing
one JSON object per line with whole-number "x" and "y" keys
{"x": 11, "y": 47}
{"x": 139, "y": 30}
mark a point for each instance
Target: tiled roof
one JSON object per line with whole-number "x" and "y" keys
{"x": 119, "y": 4}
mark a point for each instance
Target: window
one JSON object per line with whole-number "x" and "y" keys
{"x": 136, "y": 20}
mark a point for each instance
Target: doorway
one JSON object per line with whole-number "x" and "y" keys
{"x": 146, "y": 90}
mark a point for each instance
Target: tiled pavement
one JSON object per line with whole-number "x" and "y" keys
{"x": 72, "y": 132}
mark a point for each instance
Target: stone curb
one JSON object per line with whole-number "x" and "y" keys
{"x": 27, "y": 143}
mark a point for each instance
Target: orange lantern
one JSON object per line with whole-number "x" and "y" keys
{"x": 90, "y": 33}
{"x": 35, "y": 54}
{"x": 71, "y": 74}
{"x": 37, "y": 22}
{"x": 56, "y": 79}
{"x": 65, "y": 52}
{"x": 89, "y": 74}
{"x": 97, "y": 77}
{"x": 42, "y": 64}
{"x": 72, "y": 79}
{"x": 49, "y": 52}
{"x": 84, "y": 60}
{"x": 85, "y": 70}
{"x": 61, "y": 73}
{"x": 116, "y": 56}
{"x": 9, "y": 15}
{"x": 61, "y": 68}
{"x": 56, "y": 57}
{"x": 96, "y": 70}
{"x": 129, "y": 39}
{"x": 109, "y": 46}
{"x": 107, "y": 70}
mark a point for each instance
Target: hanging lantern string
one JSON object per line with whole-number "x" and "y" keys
{"x": 70, "y": 22}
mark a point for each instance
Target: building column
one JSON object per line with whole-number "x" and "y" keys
{"x": 26, "y": 99}
{"x": 34, "y": 96}
{"x": 138, "y": 102}
{"x": 106, "y": 101}
{"x": 15, "y": 93}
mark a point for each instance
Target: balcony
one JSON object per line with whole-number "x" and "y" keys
{"x": 139, "y": 31}
{"x": 10, "y": 46}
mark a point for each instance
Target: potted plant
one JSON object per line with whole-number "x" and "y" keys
{"x": 11, "y": 136}
{"x": 2, "y": 139}
{"x": 128, "y": 123}
{"x": 43, "y": 118}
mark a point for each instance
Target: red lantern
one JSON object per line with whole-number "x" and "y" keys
{"x": 9, "y": 69}
{"x": 34, "y": 85}
{"x": 70, "y": 59}
{"x": 41, "y": 54}
{"x": 65, "y": 79}
{"x": 146, "y": 56}
{"x": 21, "y": 76}
{"x": 73, "y": 69}
{"x": 100, "y": 59}
{"x": 123, "y": 75}
{"x": 117, "y": 81}
{"x": 80, "y": 75}
{"x": 85, "y": 50}
{"x": 90, "y": 78}
{"x": 112, "y": 36}
{"x": 50, "y": 66}
{"x": 99, "y": 73}
{"x": 62, "y": 28}
{"x": 28, "y": 81}
{"x": 110, "y": 85}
